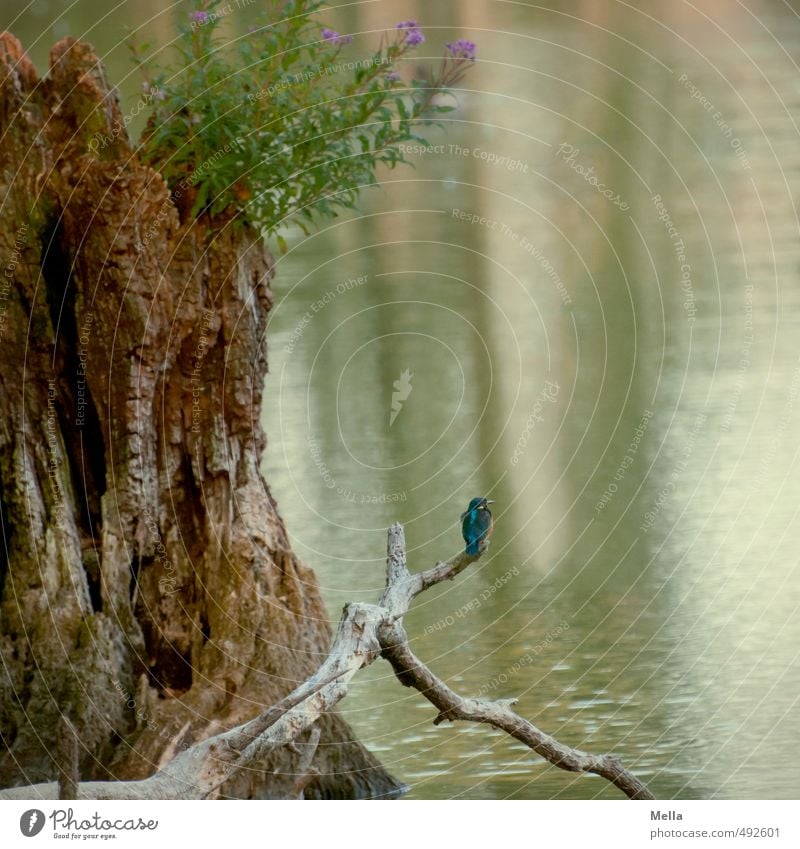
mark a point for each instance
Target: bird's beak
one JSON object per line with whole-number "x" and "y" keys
{"x": 489, "y": 502}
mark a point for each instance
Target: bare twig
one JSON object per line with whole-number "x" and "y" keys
{"x": 365, "y": 633}
{"x": 401, "y": 588}
{"x": 452, "y": 707}
{"x": 305, "y": 772}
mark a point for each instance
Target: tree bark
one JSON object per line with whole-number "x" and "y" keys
{"x": 148, "y": 590}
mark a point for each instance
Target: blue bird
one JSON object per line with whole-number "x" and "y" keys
{"x": 477, "y": 525}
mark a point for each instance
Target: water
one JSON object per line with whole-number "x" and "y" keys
{"x": 650, "y": 503}
{"x": 625, "y": 388}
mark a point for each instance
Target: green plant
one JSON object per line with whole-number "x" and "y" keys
{"x": 277, "y": 125}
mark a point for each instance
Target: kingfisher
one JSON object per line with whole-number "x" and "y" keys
{"x": 477, "y": 525}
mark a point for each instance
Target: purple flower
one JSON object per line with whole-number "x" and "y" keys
{"x": 333, "y": 37}
{"x": 393, "y": 77}
{"x": 199, "y": 17}
{"x": 462, "y": 49}
{"x": 413, "y": 34}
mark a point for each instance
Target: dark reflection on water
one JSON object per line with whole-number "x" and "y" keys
{"x": 619, "y": 372}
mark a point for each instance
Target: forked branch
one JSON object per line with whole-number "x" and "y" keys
{"x": 365, "y": 633}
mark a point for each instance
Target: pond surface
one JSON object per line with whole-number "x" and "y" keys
{"x": 615, "y": 364}
{"x": 586, "y": 299}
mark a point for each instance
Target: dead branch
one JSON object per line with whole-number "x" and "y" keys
{"x": 365, "y": 633}
{"x": 306, "y": 772}
{"x": 412, "y": 673}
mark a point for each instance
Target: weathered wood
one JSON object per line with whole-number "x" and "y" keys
{"x": 401, "y": 589}
{"x": 305, "y": 771}
{"x": 150, "y": 590}
{"x": 366, "y": 632}
{"x": 412, "y": 673}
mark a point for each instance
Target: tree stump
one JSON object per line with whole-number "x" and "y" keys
{"x": 149, "y": 590}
